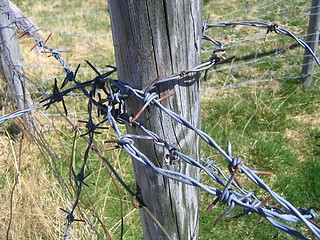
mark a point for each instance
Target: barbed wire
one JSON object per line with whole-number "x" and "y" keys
{"x": 112, "y": 110}
{"x": 125, "y": 141}
{"x": 17, "y": 113}
{"x": 39, "y": 42}
{"x": 271, "y": 27}
{"x": 250, "y": 44}
{"x": 228, "y": 195}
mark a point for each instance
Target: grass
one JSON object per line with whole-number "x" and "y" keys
{"x": 265, "y": 131}
{"x": 272, "y": 125}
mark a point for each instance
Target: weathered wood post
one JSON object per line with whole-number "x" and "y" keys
{"x": 312, "y": 41}
{"x": 154, "y": 39}
{"x": 12, "y": 63}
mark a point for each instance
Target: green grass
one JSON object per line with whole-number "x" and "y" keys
{"x": 259, "y": 125}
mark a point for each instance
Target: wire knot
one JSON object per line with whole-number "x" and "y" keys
{"x": 125, "y": 140}
{"x": 171, "y": 149}
{"x": 208, "y": 163}
{"x": 312, "y": 215}
{"x": 272, "y": 28}
{"x": 150, "y": 97}
{"x": 115, "y": 97}
{"x": 236, "y": 163}
{"x": 227, "y": 196}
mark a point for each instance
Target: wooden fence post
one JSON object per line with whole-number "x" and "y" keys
{"x": 155, "y": 39}
{"x": 12, "y": 63}
{"x": 312, "y": 41}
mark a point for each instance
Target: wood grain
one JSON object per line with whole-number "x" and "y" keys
{"x": 155, "y": 39}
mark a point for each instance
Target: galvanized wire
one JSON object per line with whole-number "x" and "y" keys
{"x": 271, "y": 27}
{"x": 39, "y": 42}
{"x": 226, "y": 195}
{"x": 113, "y": 111}
{"x": 16, "y": 114}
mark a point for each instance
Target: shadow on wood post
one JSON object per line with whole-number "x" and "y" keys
{"x": 156, "y": 39}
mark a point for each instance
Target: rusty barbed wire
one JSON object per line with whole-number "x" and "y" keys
{"x": 112, "y": 109}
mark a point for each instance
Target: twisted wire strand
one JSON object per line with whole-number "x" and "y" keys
{"x": 39, "y": 42}
{"x": 293, "y": 214}
{"x": 17, "y": 113}
{"x": 271, "y": 27}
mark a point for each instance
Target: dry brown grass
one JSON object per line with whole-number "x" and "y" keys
{"x": 29, "y": 198}
{"x": 32, "y": 195}
{"x": 313, "y": 120}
